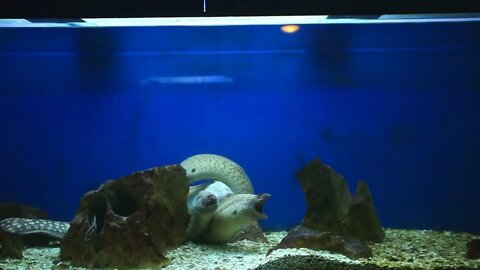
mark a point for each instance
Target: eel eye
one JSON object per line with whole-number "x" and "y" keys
{"x": 234, "y": 212}
{"x": 194, "y": 170}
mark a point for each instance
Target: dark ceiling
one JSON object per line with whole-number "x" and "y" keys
{"x": 174, "y": 8}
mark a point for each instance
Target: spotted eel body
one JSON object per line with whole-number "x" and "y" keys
{"x": 56, "y": 229}
{"x": 198, "y": 167}
{"x": 209, "y": 166}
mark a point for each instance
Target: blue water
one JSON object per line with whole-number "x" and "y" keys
{"x": 397, "y": 105}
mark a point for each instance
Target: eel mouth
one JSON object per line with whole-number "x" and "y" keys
{"x": 210, "y": 200}
{"x": 258, "y": 205}
{"x": 208, "y": 203}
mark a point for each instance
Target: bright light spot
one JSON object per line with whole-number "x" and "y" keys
{"x": 290, "y": 28}
{"x": 187, "y": 79}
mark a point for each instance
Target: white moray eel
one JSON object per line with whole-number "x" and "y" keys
{"x": 211, "y": 207}
{"x": 235, "y": 213}
{"x": 203, "y": 201}
{"x": 215, "y": 167}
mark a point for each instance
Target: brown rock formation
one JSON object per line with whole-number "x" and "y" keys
{"x": 129, "y": 222}
{"x": 473, "y": 249}
{"x": 11, "y": 245}
{"x": 303, "y": 237}
{"x": 334, "y": 221}
{"x": 362, "y": 221}
{"x": 327, "y": 195}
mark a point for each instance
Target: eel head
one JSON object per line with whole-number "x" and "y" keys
{"x": 233, "y": 215}
{"x": 255, "y": 210}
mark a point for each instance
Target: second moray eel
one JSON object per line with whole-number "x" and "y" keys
{"x": 204, "y": 204}
{"x": 234, "y": 214}
{"x": 203, "y": 201}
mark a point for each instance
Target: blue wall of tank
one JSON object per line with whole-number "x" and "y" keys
{"x": 397, "y": 105}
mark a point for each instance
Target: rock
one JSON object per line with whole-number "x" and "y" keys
{"x": 334, "y": 221}
{"x": 327, "y": 196}
{"x": 362, "y": 222}
{"x": 252, "y": 233}
{"x": 303, "y": 237}
{"x": 8, "y": 210}
{"x": 11, "y": 245}
{"x": 473, "y": 249}
{"x": 131, "y": 221}
{"x": 355, "y": 249}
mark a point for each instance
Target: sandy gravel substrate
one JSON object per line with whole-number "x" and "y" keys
{"x": 402, "y": 249}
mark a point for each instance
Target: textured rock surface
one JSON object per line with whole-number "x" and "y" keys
{"x": 362, "y": 221}
{"x": 334, "y": 221}
{"x": 131, "y": 221}
{"x": 327, "y": 196}
{"x": 302, "y": 237}
{"x": 11, "y": 245}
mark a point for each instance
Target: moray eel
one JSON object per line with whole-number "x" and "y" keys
{"x": 210, "y": 206}
{"x": 56, "y": 229}
{"x": 203, "y": 201}
{"x": 218, "y": 168}
{"x": 235, "y": 213}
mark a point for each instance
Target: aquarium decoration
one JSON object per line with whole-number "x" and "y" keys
{"x": 131, "y": 221}
{"x": 473, "y": 249}
{"x": 334, "y": 220}
{"x": 11, "y": 245}
{"x": 303, "y": 237}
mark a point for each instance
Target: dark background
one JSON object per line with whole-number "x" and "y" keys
{"x": 171, "y": 8}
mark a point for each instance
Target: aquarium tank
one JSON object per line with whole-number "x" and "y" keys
{"x": 299, "y": 120}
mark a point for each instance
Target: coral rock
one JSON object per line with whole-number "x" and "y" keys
{"x": 129, "y": 222}
{"x": 473, "y": 249}
{"x": 302, "y": 237}
{"x": 327, "y": 195}
{"x": 362, "y": 222}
